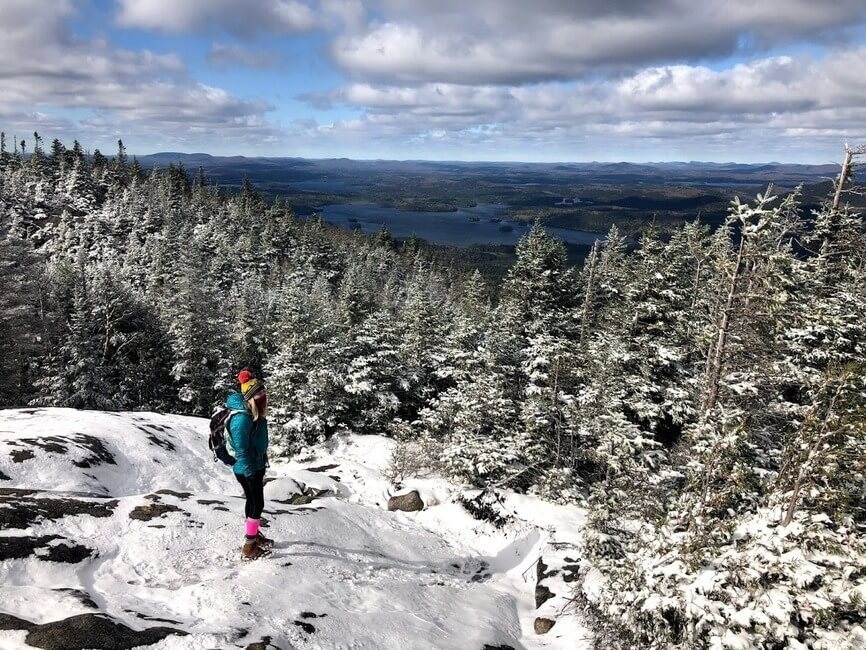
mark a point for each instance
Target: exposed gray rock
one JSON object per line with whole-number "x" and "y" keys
{"x": 570, "y": 572}
{"x": 322, "y": 468}
{"x": 541, "y": 571}
{"x": 95, "y": 452}
{"x": 152, "y": 510}
{"x": 20, "y": 455}
{"x": 543, "y": 625}
{"x": 21, "y": 510}
{"x": 9, "y": 622}
{"x": 409, "y": 502}
{"x": 96, "y": 631}
{"x": 542, "y": 595}
{"x": 68, "y": 553}
{"x": 81, "y": 596}
{"x": 183, "y": 496}
{"x": 309, "y": 628}
{"x": 542, "y": 592}
{"x": 264, "y": 644}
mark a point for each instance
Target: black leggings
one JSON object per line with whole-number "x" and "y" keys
{"x": 254, "y": 491}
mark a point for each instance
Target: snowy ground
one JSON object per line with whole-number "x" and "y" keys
{"x": 124, "y": 519}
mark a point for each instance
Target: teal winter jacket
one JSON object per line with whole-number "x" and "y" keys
{"x": 249, "y": 439}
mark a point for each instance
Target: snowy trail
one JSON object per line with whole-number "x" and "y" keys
{"x": 164, "y": 550}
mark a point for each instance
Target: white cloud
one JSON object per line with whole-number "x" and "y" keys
{"x": 234, "y": 16}
{"x": 778, "y": 103}
{"x": 509, "y": 42}
{"x": 47, "y": 71}
{"x": 490, "y": 78}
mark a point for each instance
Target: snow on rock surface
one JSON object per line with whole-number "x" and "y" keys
{"x": 122, "y": 523}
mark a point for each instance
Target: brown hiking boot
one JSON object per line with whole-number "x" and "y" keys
{"x": 252, "y": 550}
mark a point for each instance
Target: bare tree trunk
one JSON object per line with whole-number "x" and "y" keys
{"x": 587, "y": 298}
{"x": 814, "y": 454}
{"x": 710, "y": 348}
{"x": 843, "y": 176}
{"x": 554, "y": 403}
{"x": 750, "y": 270}
{"x": 715, "y": 370}
{"x": 695, "y": 285}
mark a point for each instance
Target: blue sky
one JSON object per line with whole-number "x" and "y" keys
{"x": 552, "y": 80}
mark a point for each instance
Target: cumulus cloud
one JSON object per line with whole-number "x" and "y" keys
{"x": 782, "y": 84}
{"x": 494, "y": 78}
{"x": 785, "y": 101}
{"x": 508, "y": 42}
{"x": 239, "y": 18}
{"x": 43, "y": 68}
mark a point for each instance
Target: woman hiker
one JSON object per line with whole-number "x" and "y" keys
{"x": 248, "y": 428}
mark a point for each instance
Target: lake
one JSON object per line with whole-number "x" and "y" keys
{"x": 482, "y": 224}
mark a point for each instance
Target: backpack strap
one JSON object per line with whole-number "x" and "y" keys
{"x": 232, "y": 413}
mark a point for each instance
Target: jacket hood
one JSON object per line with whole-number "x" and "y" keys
{"x": 235, "y": 401}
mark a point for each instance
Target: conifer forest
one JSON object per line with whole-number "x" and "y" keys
{"x": 702, "y": 392}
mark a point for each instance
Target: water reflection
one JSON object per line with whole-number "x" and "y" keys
{"x": 482, "y": 224}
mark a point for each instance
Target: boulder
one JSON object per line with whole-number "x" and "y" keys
{"x": 151, "y": 511}
{"x": 409, "y": 502}
{"x": 264, "y": 644}
{"x": 93, "y": 631}
{"x": 9, "y": 622}
{"x": 543, "y": 625}
{"x": 542, "y": 592}
{"x": 542, "y": 595}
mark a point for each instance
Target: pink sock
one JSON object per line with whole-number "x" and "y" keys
{"x": 252, "y": 527}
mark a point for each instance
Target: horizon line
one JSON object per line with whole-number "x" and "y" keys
{"x": 487, "y": 161}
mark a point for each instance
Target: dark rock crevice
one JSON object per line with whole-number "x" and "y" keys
{"x": 44, "y": 548}
{"x": 21, "y": 509}
{"x": 96, "y": 631}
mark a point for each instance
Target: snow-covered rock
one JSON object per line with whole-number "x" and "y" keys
{"x": 121, "y": 524}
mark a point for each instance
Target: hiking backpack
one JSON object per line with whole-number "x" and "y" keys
{"x": 218, "y": 435}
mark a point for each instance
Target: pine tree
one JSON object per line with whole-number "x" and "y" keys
{"x": 424, "y": 324}
{"x": 374, "y": 375}
{"x": 829, "y": 450}
{"x": 540, "y": 286}
{"x": 21, "y": 337}
{"x": 200, "y": 339}
{"x": 477, "y": 418}
{"x": 307, "y": 373}
{"x": 465, "y": 347}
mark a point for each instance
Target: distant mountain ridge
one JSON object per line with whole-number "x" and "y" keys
{"x": 278, "y": 174}
{"x": 175, "y": 157}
